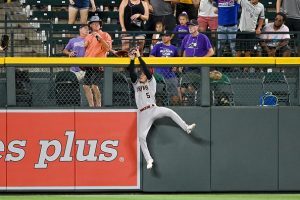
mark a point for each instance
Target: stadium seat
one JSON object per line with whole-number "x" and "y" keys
{"x": 49, "y": 14}
{"x": 61, "y": 27}
{"x": 75, "y": 27}
{"x": 121, "y": 90}
{"x": 270, "y": 15}
{"x": 108, "y": 2}
{"x": 162, "y": 98}
{"x": 46, "y": 2}
{"x": 277, "y": 84}
{"x": 191, "y": 82}
{"x": 67, "y": 90}
{"x": 269, "y": 3}
{"x": 111, "y": 27}
{"x": 23, "y": 88}
{"x": 111, "y": 14}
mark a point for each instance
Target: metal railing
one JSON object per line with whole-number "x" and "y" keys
{"x": 48, "y": 82}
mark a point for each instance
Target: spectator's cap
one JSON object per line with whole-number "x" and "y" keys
{"x": 83, "y": 25}
{"x": 193, "y": 22}
{"x": 166, "y": 33}
{"x": 95, "y": 19}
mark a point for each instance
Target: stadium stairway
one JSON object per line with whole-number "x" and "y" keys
{"x": 26, "y": 40}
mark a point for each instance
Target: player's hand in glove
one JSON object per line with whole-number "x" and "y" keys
{"x": 121, "y": 53}
{"x": 4, "y": 42}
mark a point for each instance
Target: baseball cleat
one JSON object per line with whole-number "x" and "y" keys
{"x": 150, "y": 164}
{"x": 190, "y": 128}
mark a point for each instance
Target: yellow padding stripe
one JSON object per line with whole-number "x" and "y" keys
{"x": 151, "y": 60}
{"x": 288, "y": 61}
{"x": 64, "y": 61}
{"x": 1, "y": 61}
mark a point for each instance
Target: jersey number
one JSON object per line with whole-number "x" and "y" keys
{"x": 148, "y": 95}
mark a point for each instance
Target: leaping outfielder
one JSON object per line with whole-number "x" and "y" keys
{"x": 145, "y": 89}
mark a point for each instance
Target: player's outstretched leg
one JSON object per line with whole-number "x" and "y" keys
{"x": 146, "y": 152}
{"x": 190, "y": 128}
{"x": 166, "y": 112}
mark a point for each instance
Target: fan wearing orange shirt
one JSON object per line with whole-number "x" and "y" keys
{"x": 97, "y": 44}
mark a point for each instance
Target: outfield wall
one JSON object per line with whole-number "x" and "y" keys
{"x": 232, "y": 149}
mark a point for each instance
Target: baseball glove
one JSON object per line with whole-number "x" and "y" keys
{"x": 121, "y": 53}
{"x": 4, "y": 42}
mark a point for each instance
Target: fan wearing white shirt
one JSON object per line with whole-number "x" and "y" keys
{"x": 276, "y": 43}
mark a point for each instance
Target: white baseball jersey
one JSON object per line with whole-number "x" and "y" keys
{"x": 145, "y": 92}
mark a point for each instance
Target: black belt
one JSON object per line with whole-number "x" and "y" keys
{"x": 146, "y": 107}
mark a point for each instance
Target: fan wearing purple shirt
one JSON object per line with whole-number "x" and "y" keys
{"x": 166, "y": 49}
{"x": 182, "y": 28}
{"x": 75, "y": 48}
{"x": 196, "y": 44}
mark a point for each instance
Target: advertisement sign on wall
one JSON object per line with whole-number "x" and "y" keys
{"x": 2, "y": 149}
{"x": 67, "y": 149}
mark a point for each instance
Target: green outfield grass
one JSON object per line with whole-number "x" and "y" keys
{"x": 156, "y": 197}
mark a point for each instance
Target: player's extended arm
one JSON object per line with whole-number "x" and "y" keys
{"x": 133, "y": 75}
{"x": 145, "y": 69}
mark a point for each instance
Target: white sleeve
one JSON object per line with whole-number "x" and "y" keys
{"x": 152, "y": 83}
{"x": 135, "y": 85}
{"x": 262, "y": 14}
{"x": 286, "y": 36}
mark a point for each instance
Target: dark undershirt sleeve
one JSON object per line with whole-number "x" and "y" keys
{"x": 133, "y": 75}
{"x": 145, "y": 69}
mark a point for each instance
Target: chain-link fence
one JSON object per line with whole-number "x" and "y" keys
{"x": 245, "y": 86}
{"x": 3, "y": 83}
{"x": 224, "y": 85}
{"x": 44, "y": 86}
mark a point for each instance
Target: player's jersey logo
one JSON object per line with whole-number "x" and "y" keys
{"x": 142, "y": 88}
{"x": 193, "y": 45}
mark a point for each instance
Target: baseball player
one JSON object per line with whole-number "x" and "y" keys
{"x": 148, "y": 111}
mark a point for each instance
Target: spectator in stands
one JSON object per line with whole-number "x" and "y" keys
{"x": 227, "y": 23}
{"x": 98, "y": 44}
{"x": 83, "y": 7}
{"x": 292, "y": 10}
{"x": 166, "y": 49}
{"x": 207, "y": 15}
{"x": 196, "y": 44}
{"x": 251, "y": 22}
{"x": 132, "y": 15}
{"x": 161, "y": 10}
{"x": 156, "y": 37}
{"x": 76, "y": 48}
{"x": 182, "y": 28}
{"x": 276, "y": 44}
{"x": 188, "y": 7}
